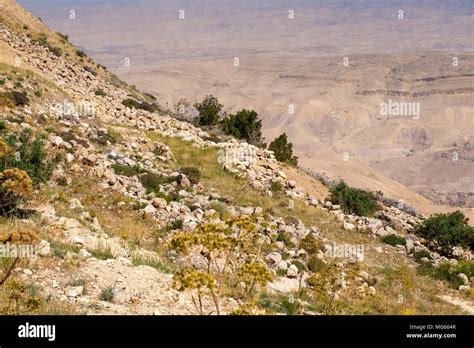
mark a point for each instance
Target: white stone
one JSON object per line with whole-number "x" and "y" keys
{"x": 274, "y": 258}
{"x": 74, "y": 291}
{"x": 284, "y": 285}
{"x": 44, "y": 248}
{"x": 292, "y": 271}
{"x": 150, "y": 209}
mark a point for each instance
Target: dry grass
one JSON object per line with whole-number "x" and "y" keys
{"x": 419, "y": 292}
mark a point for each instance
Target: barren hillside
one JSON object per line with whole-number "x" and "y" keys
{"x": 131, "y": 211}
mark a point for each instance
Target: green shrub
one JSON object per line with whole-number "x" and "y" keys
{"x": 244, "y": 125}
{"x": 19, "y": 98}
{"x": 192, "y": 173}
{"x": 393, "y": 239}
{"x": 209, "y": 110}
{"x": 148, "y": 107}
{"x": 122, "y": 169}
{"x": 176, "y": 224}
{"x": 90, "y": 70}
{"x": 100, "y": 93}
{"x": 276, "y": 186}
{"x": 314, "y": 264}
{"x": 63, "y": 36}
{"x": 60, "y": 249}
{"x": 113, "y": 136}
{"x": 285, "y": 237}
{"x": 421, "y": 254}
{"x": 152, "y": 182}
{"x": 29, "y": 155}
{"x": 102, "y": 252}
{"x": 134, "y": 104}
{"x": 55, "y": 50}
{"x": 354, "y": 201}
{"x": 150, "y": 96}
{"x": 449, "y": 272}
{"x": 283, "y": 150}
{"x": 107, "y": 294}
{"x": 310, "y": 244}
{"x": 164, "y": 266}
{"x": 447, "y": 230}
{"x": 130, "y": 103}
{"x": 425, "y": 269}
{"x": 81, "y": 53}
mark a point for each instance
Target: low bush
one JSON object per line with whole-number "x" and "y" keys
{"x": 113, "y": 136}
{"x": 393, "y": 240}
{"x": 134, "y": 104}
{"x": 354, "y": 201}
{"x": 276, "y": 187}
{"x": 285, "y": 237}
{"x": 29, "y": 154}
{"x": 448, "y": 272}
{"x": 246, "y": 125}
{"x": 100, "y": 93}
{"x": 122, "y": 169}
{"x": 81, "y": 53}
{"x": 20, "y": 98}
{"x": 107, "y": 294}
{"x": 310, "y": 244}
{"x": 421, "y": 254}
{"x": 447, "y": 230}
{"x": 315, "y": 264}
{"x": 152, "y": 182}
{"x": 102, "y": 252}
{"x": 90, "y": 70}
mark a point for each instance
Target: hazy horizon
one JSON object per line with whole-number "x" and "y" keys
{"x": 151, "y": 31}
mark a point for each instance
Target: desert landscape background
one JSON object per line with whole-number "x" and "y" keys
{"x": 317, "y": 70}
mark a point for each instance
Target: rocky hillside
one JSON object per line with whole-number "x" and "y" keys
{"x": 134, "y": 212}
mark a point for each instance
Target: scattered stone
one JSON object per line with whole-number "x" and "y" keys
{"x": 74, "y": 291}
{"x": 274, "y": 258}
{"x": 292, "y": 271}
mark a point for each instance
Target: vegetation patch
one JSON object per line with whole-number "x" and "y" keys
{"x": 354, "y": 201}
{"x": 393, "y": 240}
{"x": 447, "y": 231}
{"x": 283, "y": 150}
{"x": 246, "y": 125}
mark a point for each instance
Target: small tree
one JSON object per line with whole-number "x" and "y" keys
{"x": 283, "y": 150}
{"x": 209, "y": 110}
{"x": 244, "y": 125}
{"x": 354, "y": 201}
{"x": 447, "y": 230}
